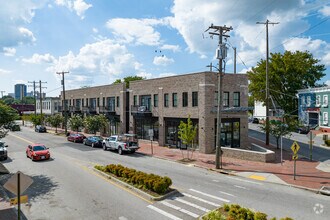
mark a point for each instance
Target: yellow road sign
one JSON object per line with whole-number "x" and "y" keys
{"x": 295, "y": 157}
{"x": 14, "y": 201}
{"x": 295, "y": 147}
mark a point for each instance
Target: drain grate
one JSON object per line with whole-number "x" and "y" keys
{"x": 325, "y": 190}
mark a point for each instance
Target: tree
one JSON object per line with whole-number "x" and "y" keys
{"x": 278, "y": 128}
{"x": 128, "y": 79}
{"x": 95, "y": 123}
{"x": 55, "y": 121}
{"x": 75, "y": 122}
{"x": 7, "y": 116}
{"x": 28, "y": 100}
{"x": 187, "y": 133}
{"x": 37, "y": 119}
{"x": 287, "y": 73}
{"x": 9, "y": 100}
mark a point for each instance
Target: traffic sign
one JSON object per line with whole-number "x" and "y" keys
{"x": 295, "y": 157}
{"x": 25, "y": 182}
{"x": 14, "y": 201}
{"x": 295, "y": 147}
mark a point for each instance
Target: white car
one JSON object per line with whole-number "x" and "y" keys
{"x": 121, "y": 143}
{"x": 3, "y": 151}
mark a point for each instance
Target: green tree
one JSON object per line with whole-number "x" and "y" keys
{"x": 128, "y": 79}
{"x": 278, "y": 128}
{"x": 95, "y": 123}
{"x": 7, "y": 116}
{"x": 37, "y": 119}
{"x": 187, "y": 133}
{"x": 9, "y": 100}
{"x": 75, "y": 122}
{"x": 55, "y": 121}
{"x": 28, "y": 100}
{"x": 287, "y": 73}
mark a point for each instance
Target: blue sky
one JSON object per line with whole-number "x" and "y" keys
{"x": 104, "y": 40}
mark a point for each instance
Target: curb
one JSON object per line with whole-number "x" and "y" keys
{"x": 136, "y": 190}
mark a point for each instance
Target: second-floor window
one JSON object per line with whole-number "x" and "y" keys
{"x": 317, "y": 101}
{"x": 155, "y": 100}
{"x": 117, "y": 101}
{"x": 325, "y": 118}
{"x": 303, "y": 100}
{"x": 194, "y": 99}
{"x": 135, "y": 100}
{"x": 184, "y": 99}
{"x": 166, "y": 100}
{"x": 225, "y": 99}
{"x": 325, "y": 100}
{"x": 236, "y": 97}
{"x": 175, "y": 99}
{"x": 308, "y": 101}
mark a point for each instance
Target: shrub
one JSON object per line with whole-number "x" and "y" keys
{"x": 260, "y": 216}
{"x": 286, "y": 218}
{"x": 327, "y": 142}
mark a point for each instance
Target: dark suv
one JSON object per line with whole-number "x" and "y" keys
{"x": 40, "y": 128}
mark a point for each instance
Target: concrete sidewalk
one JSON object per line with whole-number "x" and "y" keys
{"x": 308, "y": 175}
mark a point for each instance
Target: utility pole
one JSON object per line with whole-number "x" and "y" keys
{"x": 64, "y": 105}
{"x": 234, "y": 60}
{"x": 34, "y": 96}
{"x": 267, "y": 81}
{"x": 221, "y": 55}
{"x": 40, "y": 98}
{"x": 2, "y": 93}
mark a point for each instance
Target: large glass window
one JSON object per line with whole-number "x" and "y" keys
{"x": 175, "y": 99}
{"x": 166, "y": 100}
{"x": 225, "y": 99}
{"x": 184, "y": 99}
{"x": 194, "y": 99}
{"x": 325, "y": 118}
{"x": 111, "y": 103}
{"x": 236, "y": 99}
{"x": 155, "y": 100}
{"x": 142, "y": 126}
{"x": 230, "y": 132}
{"x": 325, "y": 100}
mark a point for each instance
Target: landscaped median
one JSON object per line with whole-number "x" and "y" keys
{"x": 150, "y": 186}
{"x": 236, "y": 212}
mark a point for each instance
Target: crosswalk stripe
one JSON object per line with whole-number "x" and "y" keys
{"x": 212, "y": 196}
{"x": 163, "y": 212}
{"x": 227, "y": 193}
{"x": 191, "y": 204}
{"x": 180, "y": 209}
{"x": 200, "y": 199}
{"x": 242, "y": 187}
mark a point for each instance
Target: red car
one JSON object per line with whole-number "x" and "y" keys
{"x": 76, "y": 137}
{"x": 37, "y": 152}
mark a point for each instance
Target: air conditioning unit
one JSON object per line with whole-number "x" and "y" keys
{"x": 142, "y": 108}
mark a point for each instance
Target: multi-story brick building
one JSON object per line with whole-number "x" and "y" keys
{"x": 160, "y": 104}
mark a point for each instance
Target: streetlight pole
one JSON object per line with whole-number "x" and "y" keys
{"x": 220, "y": 31}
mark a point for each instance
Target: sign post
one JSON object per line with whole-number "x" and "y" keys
{"x": 295, "y": 148}
{"x": 151, "y": 135}
{"x": 311, "y": 136}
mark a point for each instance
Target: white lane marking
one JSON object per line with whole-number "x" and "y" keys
{"x": 180, "y": 209}
{"x": 214, "y": 197}
{"x": 191, "y": 204}
{"x": 227, "y": 193}
{"x": 163, "y": 212}
{"x": 242, "y": 187}
{"x": 122, "y": 218}
{"x": 242, "y": 180}
{"x": 200, "y": 199}
{"x": 216, "y": 181}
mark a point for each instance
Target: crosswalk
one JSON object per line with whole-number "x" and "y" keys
{"x": 190, "y": 204}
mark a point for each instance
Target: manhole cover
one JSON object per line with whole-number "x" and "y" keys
{"x": 325, "y": 190}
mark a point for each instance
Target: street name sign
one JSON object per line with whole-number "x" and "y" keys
{"x": 295, "y": 147}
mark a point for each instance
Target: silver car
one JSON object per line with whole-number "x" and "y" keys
{"x": 3, "y": 151}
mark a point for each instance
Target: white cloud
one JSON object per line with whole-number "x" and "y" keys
{"x": 103, "y": 58}
{"x": 9, "y": 51}
{"x": 3, "y": 72}
{"x": 174, "y": 48}
{"x": 327, "y": 82}
{"x": 79, "y": 6}
{"x": 38, "y": 59}
{"x": 138, "y": 31}
{"x": 325, "y": 11}
{"x": 326, "y": 59}
{"x": 162, "y": 60}
{"x": 95, "y": 30}
{"x": 167, "y": 74}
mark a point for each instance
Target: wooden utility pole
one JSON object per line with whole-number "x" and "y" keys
{"x": 221, "y": 55}
{"x": 267, "y": 81}
{"x": 34, "y": 96}
{"x": 64, "y": 105}
{"x": 40, "y": 98}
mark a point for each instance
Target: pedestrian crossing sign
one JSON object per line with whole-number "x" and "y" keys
{"x": 295, "y": 157}
{"x": 295, "y": 147}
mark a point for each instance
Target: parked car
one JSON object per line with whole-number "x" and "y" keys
{"x": 255, "y": 121}
{"x": 37, "y": 152}
{"x": 40, "y": 128}
{"x": 76, "y": 137}
{"x": 94, "y": 141}
{"x": 302, "y": 129}
{"x": 121, "y": 143}
{"x": 12, "y": 126}
{"x": 3, "y": 151}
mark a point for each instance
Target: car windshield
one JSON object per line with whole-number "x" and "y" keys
{"x": 39, "y": 148}
{"x": 98, "y": 138}
{"x": 2, "y": 144}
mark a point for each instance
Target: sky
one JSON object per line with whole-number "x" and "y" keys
{"x": 100, "y": 41}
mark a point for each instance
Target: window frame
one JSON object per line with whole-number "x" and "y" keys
{"x": 174, "y": 99}
{"x": 166, "y": 101}
{"x": 155, "y": 100}
{"x": 225, "y": 100}
{"x": 194, "y": 100}
{"x": 185, "y": 99}
{"x": 237, "y": 101}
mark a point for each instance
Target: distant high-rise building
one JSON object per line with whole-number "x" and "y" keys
{"x": 11, "y": 94}
{"x": 20, "y": 91}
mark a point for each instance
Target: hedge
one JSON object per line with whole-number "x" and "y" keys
{"x": 236, "y": 212}
{"x": 327, "y": 142}
{"x": 142, "y": 180}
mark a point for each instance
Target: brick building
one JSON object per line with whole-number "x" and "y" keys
{"x": 160, "y": 104}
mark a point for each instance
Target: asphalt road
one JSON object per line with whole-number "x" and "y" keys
{"x": 318, "y": 153}
{"x": 65, "y": 187}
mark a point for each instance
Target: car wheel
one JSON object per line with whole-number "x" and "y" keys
{"x": 120, "y": 151}
{"x": 104, "y": 147}
{"x": 5, "y": 158}
{"x": 84, "y": 142}
{"x": 132, "y": 151}
{"x": 27, "y": 155}
{"x": 74, "y": 141}
{"x": 93, "y": 145}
